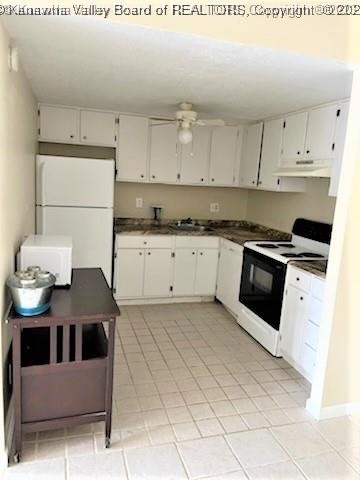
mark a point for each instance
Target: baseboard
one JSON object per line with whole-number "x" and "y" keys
{"x": 333, "y": 411}
{"x": 168, "y": 300}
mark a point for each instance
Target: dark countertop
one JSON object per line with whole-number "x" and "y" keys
{"x": 238, "y": 232}
{"x": 316, "y": 267}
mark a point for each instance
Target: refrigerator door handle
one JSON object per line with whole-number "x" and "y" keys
{"x": 42, "y": 183}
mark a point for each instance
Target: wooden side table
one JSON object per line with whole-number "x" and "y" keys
{"x": 63, "y": 360}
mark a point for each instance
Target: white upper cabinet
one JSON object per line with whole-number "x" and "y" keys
{"x": 74, "y": 125}
{"x": 224, "y": 156}
{"x": 98, "y": 128}
{"x": 339, "y": 142}
{"x": 195, "y": 158}
{"x": 294, "y": 137}
{"x": 58, "y": 124}
{"x": 163, "y": 153}
{"x": 132, "y": 149}
{"x": 270, "y": 160}
{"x": 320, "y": 134}
{"x": 250, "y": 157}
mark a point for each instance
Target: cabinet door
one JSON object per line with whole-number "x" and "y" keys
{"x": 229, "y": 276}
{"x": 223, "y": 156}
{"x": 158, "y": 272}
{"x": 163, "y": 154}
{"x": 98, "y": 128}
{"x": 294, "y": 318}
{"x": 294, "y": 137}
{"x": 206, "y": 271}
{"x": 321, "y": 133}
{"x": 59, "y": 124}
{"x": 184, "y": 271}
{"x": 195, "y": 158}
{"x": 340, "y": 134}
{"x": 132, "y": 151}
{"x": 250, "y": 157}
{"x": 270, "y": 154}
{"x": 129, "y": 273}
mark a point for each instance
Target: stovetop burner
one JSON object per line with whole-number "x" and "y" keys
{"x": 267, "y": 245}
{"x": 302, "y": 255}
{"x": 286, "y": 245}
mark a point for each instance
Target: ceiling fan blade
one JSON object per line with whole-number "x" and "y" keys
{"x": 212, "y": 123}
{"x": 160, "y": 123}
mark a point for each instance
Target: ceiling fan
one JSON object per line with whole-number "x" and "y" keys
{"x": 186, "y": 118}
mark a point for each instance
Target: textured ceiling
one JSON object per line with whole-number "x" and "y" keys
{"x": 110, "y": 65}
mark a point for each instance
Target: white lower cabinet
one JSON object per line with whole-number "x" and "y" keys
{"x": 165, "y": 266}
{"x": 206, "y": 271}
{"x": 229, "y": 275}
{"x": 300, "y": 320}
{"x": 184, "y": 271}
{"x": 129, "y": 273}
{"x": 158, "y": 273}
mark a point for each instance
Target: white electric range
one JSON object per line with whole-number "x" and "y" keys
{"x": 263, "y": 277}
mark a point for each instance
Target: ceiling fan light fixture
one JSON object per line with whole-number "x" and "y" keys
{"x": 184, "y": 135}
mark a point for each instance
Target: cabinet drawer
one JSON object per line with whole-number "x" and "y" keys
{"x": 144, "y": 241}
{"x": 311, "y": 335}
{"x": 299, "y": 279}
{"x": 317, "y": 288}
{"x": 232, "y": 246}
{"x": 315, "y": 311}
{"x": 196, "y": 242}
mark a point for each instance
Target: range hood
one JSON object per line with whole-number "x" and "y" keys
{"x": 320, "y": 171}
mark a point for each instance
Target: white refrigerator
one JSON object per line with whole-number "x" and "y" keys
{"x": 75, "y": 196}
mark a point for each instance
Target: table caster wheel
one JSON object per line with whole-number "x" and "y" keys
{"x": 107, "y": 442}
{"x": 16, "y": 457}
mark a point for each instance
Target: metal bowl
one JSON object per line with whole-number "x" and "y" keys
{"x": 31, "y": 291}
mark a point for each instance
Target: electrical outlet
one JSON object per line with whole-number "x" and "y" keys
{"x": 215, "y": 207}
{"x": 139, "y": 202}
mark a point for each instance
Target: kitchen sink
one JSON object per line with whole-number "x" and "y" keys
{"x": 188, "y": 227}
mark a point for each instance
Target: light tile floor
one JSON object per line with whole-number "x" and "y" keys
{"x": 196, "y": 397}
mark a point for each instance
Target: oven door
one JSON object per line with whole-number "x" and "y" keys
{"x": 262, "y": 286}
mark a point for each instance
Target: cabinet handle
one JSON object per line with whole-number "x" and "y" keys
{"x": 145, "y": 243}
{"x": 307, "y": 151}
{"x": 297, "y": 279}
{"x": 193, "y": 253}
{"x": 213, "y": 179}
{"x": 201, "y": 253}
{"x": 298, "y": 152}
{"x": 71, "y": 136}
{"x": 140, "y": 253}
{"x": 84, "y": 137}
{"x": 260, "y": 183}
{"x": 201, "y": 179}
{"x": 301, "y": 298}
{"x": 253, "y": 182}
{"x": 141, "y": 176}
{"x": 152, "y": 176}
{"x": 149, "y": 253}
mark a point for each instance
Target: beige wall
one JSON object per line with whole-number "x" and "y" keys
{"x": 278, "y": 210}
{"x": 180, "y": 201}
{"x": 17, "y": 179}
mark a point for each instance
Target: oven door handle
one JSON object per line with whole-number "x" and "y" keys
{"x": 252, "y": 268}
